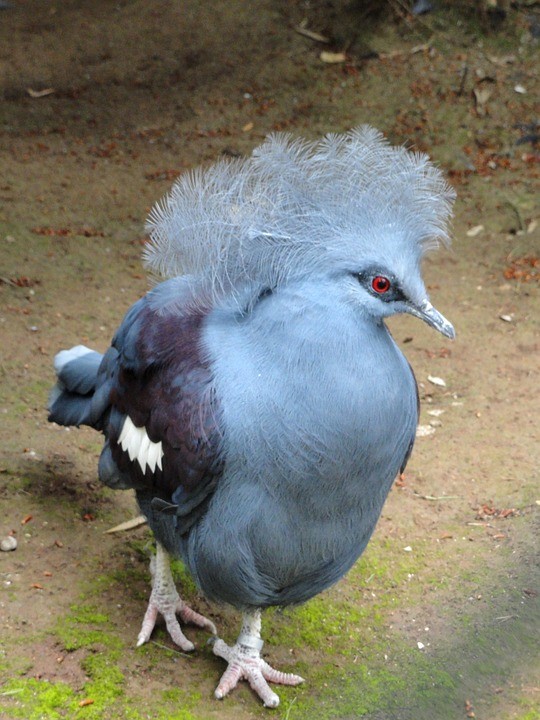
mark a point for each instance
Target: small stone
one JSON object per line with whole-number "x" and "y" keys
{"x": 506, "y": 318}
{"x": 436, "y": 381}
{"x": 8, "y": 543}
{"x": 424, "y": 430}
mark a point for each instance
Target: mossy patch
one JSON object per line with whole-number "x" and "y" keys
{"x": 340, "y": 617}
{"x": 184, "y": 580}
{"x": 85, "y": 627}
{"x": 37, "y": 699}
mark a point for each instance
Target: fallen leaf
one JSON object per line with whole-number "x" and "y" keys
{"x": 169, "y": 174}
{"x": 524, "y": 269}
{"x": 26, "y": 519}
{"x": 39, "y": 93}
{"x": 128, "y": 525}
{"x": 302, "y": 30}
{"x": 420, "y": 48}
{"x": 400, "y": 482}
{"x": 49, "y": 231}
{"x": 503, "y": 60}
{"x": 482, "y": 95}
{"x": 487, "y": 510}
{"x": 332, "y": 58}
{"x": 474, "y": 231}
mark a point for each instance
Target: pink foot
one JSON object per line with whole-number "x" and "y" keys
{"x": 246, "y": 663}
{"x": 165, "y": 600}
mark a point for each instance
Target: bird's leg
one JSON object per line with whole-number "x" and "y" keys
{"x": 165, "y": 600}
{"x": 246, "y": 663}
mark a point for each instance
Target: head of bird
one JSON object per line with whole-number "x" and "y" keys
{"x": 349, "y": 206}
{"x": 383, "y": 294}
{"x": 381, "y": 291}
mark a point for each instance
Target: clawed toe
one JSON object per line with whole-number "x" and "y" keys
{"x": 165, "y": 600}
{"x": 190, "y": 616}
{"x": 171, "y": 622}
{"x": 245, "y": 663}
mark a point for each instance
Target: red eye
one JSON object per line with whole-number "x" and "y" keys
{"x": 380, "y": 284}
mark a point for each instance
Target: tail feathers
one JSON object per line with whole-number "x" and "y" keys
{"x": 71, "y": 399}
{"x": 77, "y": 369}
{"x": 68, "y": 409}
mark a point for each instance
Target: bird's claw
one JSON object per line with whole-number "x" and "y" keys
{"x": 245, "y": 663}
{"x": 171, "y": 622}
{"x": 166, "y": 601}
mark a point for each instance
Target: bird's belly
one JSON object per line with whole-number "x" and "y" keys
{"x": 310, "y": 456}
{"x": 265, "y": 543}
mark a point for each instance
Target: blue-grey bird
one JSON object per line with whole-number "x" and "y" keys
{"x": 256, "y": 400}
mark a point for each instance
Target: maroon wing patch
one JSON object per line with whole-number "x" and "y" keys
{"x": 164, "y": 385}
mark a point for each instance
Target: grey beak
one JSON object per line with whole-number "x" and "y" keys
{"x": 426, "y": 312}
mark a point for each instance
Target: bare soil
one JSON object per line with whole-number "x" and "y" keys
{"x": 104, "y": 103}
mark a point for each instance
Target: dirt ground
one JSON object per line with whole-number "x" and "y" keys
{"x": 104, "y": 104}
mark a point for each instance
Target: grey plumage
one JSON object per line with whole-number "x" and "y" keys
{"x": 256, "y": 400}
{"x": 295, "y": 208}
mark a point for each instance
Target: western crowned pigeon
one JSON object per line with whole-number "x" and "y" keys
{"x": 256, "y": 400}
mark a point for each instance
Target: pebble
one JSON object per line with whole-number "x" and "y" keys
{"x": 8, "y": 543}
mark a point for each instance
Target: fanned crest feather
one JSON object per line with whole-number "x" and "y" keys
{"x": 295, "y": 206}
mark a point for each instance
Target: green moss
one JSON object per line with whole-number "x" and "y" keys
{"x": 187, "y": 587}
{"x": 373, "y": 686}
{"x": 106, "y": 682}
{"x": 314, "y": 624}
{"x": 36, "y": 699}
{"x": 37, "y": 388}
{"x": 33, "y": 699}
{"x": 340, "y": 617}
{"x": 179, "y": 705}
{"x": 531, "y": 715}
{"x": 84, "y": 627}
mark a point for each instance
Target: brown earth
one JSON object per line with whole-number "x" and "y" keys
{"x": 103, "y": 105}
